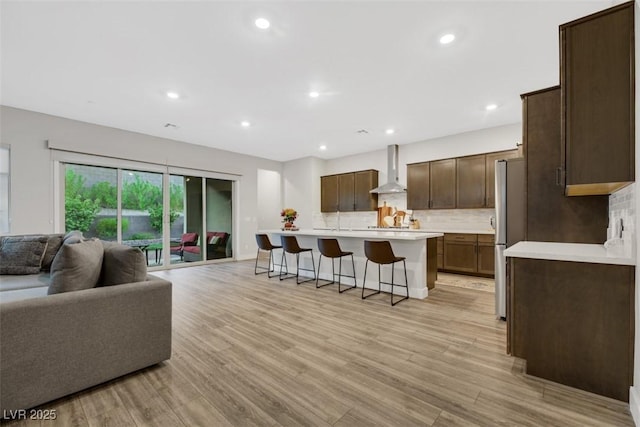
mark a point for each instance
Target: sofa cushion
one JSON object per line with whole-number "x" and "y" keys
{"x": 22, "y": 254}
{"x": 76, "y": 266}
{"x": 122, "y": 264}
{"x": 25, "y": 281}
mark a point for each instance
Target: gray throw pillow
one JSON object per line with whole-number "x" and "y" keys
{"x": 22, "y": 254}
{"x": 74, "y": 236}
{"x": 122, "y": 264}
{"x": 53, "y": 245}
{"x": 76, "y": 266}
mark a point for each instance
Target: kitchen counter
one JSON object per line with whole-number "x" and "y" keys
{"x": 418, "y": 247}
{"x": 576, "y": 252}
{"x": 440, "y": 230}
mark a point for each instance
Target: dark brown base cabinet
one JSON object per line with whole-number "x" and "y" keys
{"x": 467, "y": 254}
{"x": 573, "y": 323}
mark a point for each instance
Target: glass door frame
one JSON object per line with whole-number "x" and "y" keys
{"x": 59, "y": 158}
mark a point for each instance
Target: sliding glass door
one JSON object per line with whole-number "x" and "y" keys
{"x": 131, "y": 206}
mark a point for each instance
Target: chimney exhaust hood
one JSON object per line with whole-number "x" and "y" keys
{"x": 392, "y": 185}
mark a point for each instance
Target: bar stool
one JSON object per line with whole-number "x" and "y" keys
{"x": 290, "y": 245}
{"x": 264, "y": 244}
{"x": 331, "y": 249}
{"x": 380, "y": 252}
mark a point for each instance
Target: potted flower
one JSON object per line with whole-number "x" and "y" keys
{"x": 288, "y": 216}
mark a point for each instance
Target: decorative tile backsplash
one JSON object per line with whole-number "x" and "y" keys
{"x": 454, "y": 220}
{"x": 622, "y": 205}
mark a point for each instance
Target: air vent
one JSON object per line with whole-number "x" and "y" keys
{"x": 362, "y": 131}
{"x": 170, "y": 125}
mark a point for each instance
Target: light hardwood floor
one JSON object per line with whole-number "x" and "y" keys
{"x": 248, "y": 350}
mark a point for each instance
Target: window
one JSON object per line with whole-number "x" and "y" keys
{"x": 5, "y": 188}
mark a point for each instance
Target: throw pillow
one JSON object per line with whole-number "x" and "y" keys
{"x": 22, "y": 254}
{"x": 76, "y": 266}
{"x": 122, "y": 264}
{"x": 53, "y": 245}
{"x": 214, "y": 239}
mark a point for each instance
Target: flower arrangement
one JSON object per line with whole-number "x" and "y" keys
{"x": 288, "y": 215}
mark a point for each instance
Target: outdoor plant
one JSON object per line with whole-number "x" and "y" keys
{"x": 108, "y": 227}
{"x": 155, "y": 217}
{"x": 80, "y": 211}
{"x": 105, "y": 193}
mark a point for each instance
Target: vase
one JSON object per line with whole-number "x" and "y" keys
{"x": 289, "y": 225}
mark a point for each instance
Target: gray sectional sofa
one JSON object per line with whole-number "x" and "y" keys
{"x": 86, "y": 314}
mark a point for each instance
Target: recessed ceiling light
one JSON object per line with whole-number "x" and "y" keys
{"x": 314, "y": 94}
{"x": 245, "y": 124}
{"x": 322, "y": 147}
{"x": 173, "y": 95}
{"x": 262, "y": 23}
{"x": 390, "y": 131}
{"x": 491, "y": 107}
{"x": 447, "y": 38}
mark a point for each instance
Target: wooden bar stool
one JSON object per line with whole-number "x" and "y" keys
{"x": 331, "y": 249}
{"x": 264, "y": 244}
{"x": 290, "y": 245}
{"x": 381, "y": 252}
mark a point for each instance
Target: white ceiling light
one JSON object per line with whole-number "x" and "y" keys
{"x": 447, "y": 38}
{"x": 262, "y": 23}
{"x": 245, "y": 124}
{"x": 491, "y": 107}
{"x": 173, "y": 95}
{"x": 322, "y": 147}
{"x": 314, "y": 94}
{"x": 390, "y": 131}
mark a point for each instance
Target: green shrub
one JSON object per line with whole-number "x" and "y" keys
{"x": 140, "y": 194}
{"x": 155, "y": 217}
{"x": 105, "y": 194}
{"x": 79, "y": 213}
{"x": 107, "y": 228}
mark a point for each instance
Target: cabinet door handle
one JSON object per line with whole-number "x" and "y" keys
{"x": 558, "y": 176}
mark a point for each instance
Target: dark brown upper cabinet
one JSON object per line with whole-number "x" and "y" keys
{"x": 346, "y": 187}
{"x": 418, "y": 186}
{"x": 442, "y": 184}
{"x": 329, "y": 193}
{"x": 470, "y": 181}
{"x": 551, "y": 216}
{"x": 597, "y": 85}
{"x": 348, "y": 192}
{"x": 365, "y": 181}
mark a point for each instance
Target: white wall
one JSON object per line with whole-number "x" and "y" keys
{"x": 32, "y": 187}
{"x": 301, "y": 184}
{"x": 269, "y": 199}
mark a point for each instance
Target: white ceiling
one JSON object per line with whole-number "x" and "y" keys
{"x": 376, "y": 65}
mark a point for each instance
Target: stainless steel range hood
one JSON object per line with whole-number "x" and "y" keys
{"x": 392, "y": 185}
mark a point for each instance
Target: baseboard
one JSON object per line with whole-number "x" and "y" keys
{"x": 634, "y": 404}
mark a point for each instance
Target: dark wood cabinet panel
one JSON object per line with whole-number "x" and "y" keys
{"x": 418, "y": 186}
{"x": 470, "y": 181}
{"x": 490, "y": 175}
{"x": 486, "y": 259}
{"x": 348, "y": 192}
{"x": 346, "y": 187}
{"x": 440, "y": 251}
{"x": 329, "y": 193}
{"x": 597, "y": 81}
{"x": 365, "y": 181}
{"x": 551, "y": 216}
{"x": 573, "y": 323}
{"x": 442, "y": 184}
{"x": 460, "y": 252}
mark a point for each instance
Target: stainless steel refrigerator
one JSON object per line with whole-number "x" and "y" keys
{"x": 510, "y": 221}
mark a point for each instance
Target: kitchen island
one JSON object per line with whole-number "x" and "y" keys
{"x": 419, "y": 249}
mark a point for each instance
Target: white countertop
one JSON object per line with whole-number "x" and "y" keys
{"x": 577, "y": 252}
{"x": 361, "y": 234}
{"x": 425, "y": 230}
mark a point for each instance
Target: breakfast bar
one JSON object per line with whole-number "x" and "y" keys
{"x": 419, "y": 249}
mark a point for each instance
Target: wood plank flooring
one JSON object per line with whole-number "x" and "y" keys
{"x": 248, "y": 350}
